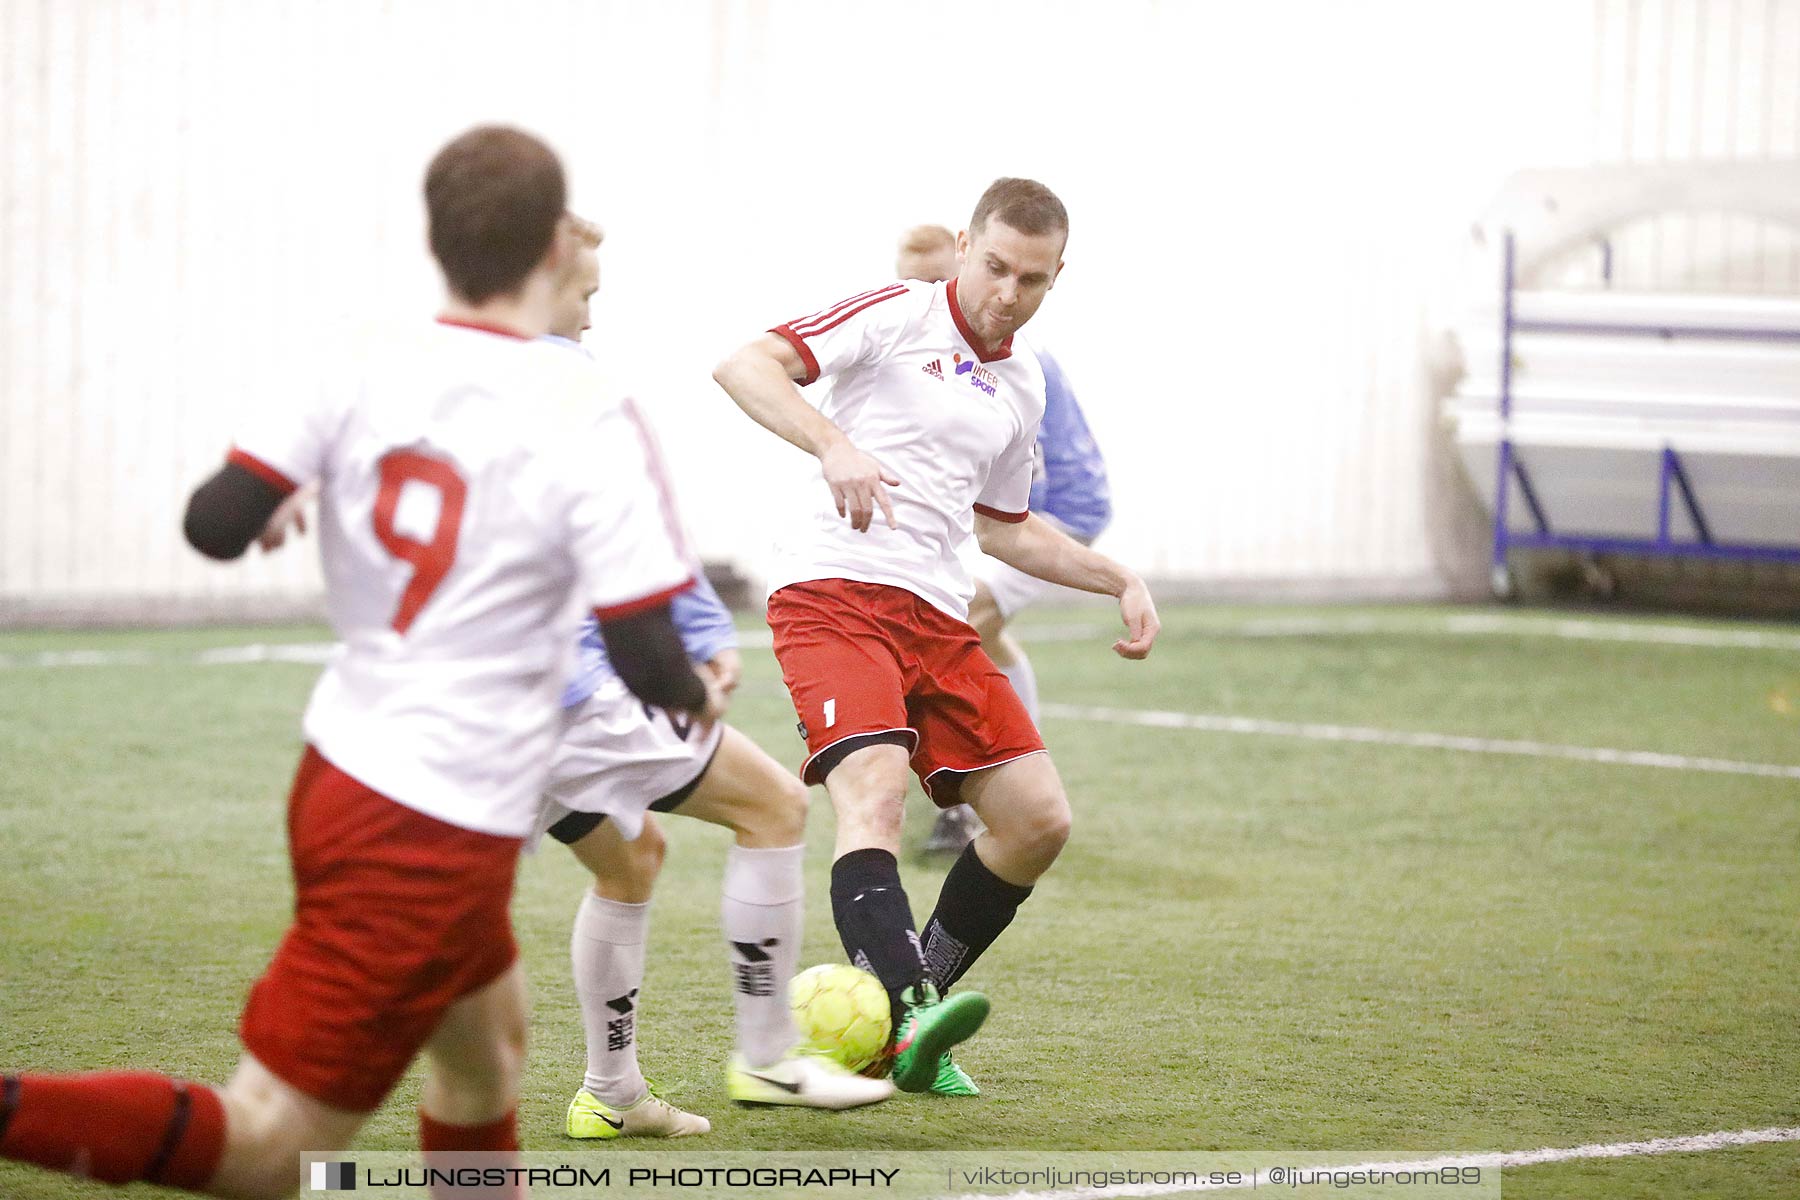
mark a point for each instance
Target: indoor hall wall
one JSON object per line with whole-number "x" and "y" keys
{"x": 1695, "y": 81}
{"x": 196, "y": 196}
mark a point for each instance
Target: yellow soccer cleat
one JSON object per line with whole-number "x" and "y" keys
{"x": 650, "y": 1117}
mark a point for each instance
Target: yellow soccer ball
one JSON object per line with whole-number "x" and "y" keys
{"x": 842, "y": 1012}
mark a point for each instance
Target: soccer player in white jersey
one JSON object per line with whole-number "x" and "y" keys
{"x": 476, "y": 483}
{"x": 1068, "y": 488}
{"x": 925, "y": 442}
{"x": 618, "y": 762}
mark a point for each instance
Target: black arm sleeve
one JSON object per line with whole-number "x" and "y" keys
{"x": 225, "y": 513}
{"x": 646, "y": 651}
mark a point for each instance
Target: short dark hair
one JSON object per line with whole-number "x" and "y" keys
{"x": 493, "y": 198}
{"x": 1025, "y": 204}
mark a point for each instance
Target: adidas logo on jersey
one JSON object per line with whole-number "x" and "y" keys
{"x": 935, "y": 368}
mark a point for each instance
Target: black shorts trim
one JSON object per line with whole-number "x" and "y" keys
{"x": 822, "y": 763}
{"x": 673, "y": 800}
{"x": 577, "y": 825}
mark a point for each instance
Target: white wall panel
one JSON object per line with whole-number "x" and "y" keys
{"x": 196, "y": 195}
{"x": 1692, "y": 80}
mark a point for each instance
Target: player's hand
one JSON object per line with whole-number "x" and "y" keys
{"x": 1141, "y": 622}
{"x": 717, "y": 701}
{"x": 857, "y": 485}
{"x": 289, "y": 517}
{"x": 727, "y": 669}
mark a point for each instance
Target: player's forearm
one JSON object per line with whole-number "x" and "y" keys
{"x": 1038, "y": 548}
{"x": 758, "y": 383}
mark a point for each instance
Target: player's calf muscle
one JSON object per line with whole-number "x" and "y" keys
{"x": 624, "y": 872}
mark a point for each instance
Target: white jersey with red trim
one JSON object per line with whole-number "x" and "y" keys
{"x": 478, "y": 491}
{"x": 910, "y": 388}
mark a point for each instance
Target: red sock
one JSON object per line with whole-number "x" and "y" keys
{"x": 448, "y": 1147}
{"x": 115, "y": 1126}
{"x": 497, "y": 1136}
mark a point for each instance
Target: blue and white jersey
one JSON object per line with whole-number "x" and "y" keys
{"x": 1069, "y": 484}
{"x": 699, "y": 615}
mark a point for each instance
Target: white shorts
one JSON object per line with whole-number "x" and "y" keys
{"x": 1011, "y": 588}
{"x": 619, "y": 759}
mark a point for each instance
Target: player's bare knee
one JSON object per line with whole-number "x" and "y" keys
{"x": 272, "y": 1174}
{"x": 878, "y": 811}
{"x": 868, "y": 793}
{"x": 1042, "y": 830}
{"x": 484, "y": 1077}
{"x": 787, "y": 811}
{"x": 264, "y": 1141}
{"x": 1054, "y": 830}
{"x": 645, "y": 859}
{"x": 508, "y": 1061}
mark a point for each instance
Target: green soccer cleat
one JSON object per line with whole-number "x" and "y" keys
{"x": 651, "y": 1117}
{"x": 952, "y": 1080}
{"x": 929, "y": 1026}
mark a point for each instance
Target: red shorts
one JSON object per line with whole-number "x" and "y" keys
{"x": 864, "y": 659}
{"x": 397, "y": 916}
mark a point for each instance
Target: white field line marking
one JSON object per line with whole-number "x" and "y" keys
{"x": 1624, "y": 631}
{"x": 1495, "y": 625}
{"x": 1491, "y": 1160}
{"x": 1455, "y": 624}
{"x": 1464, "y": 624}
{"x": 1428, "y": 741}
{"x": 307, "y": 653}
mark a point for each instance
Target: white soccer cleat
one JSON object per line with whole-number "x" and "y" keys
{"x": 805, "y": 1080}
{"x": 651, "y": 1117}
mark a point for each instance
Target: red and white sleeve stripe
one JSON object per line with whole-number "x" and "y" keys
{"x": 798, "y": 331}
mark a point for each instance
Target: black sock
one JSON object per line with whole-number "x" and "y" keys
{"x": 875, "y": 921}
{"x": 975, "y": 906}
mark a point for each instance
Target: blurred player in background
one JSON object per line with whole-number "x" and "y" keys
{"x": 929, "y": 399}
{"x": 621, "y": 758}
{"x": 1068, "y": 488}
{"x": 472, "y": 480}
{"x": 619, "y": 761}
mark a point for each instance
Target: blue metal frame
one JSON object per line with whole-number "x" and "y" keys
{"x": 1673, "y": 480}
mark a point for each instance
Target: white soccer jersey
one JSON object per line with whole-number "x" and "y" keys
{"x": 478, "y": 491}
{"x": 910, "y": 388}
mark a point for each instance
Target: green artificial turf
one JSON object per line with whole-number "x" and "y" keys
{"x": 1252, "y": 942}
